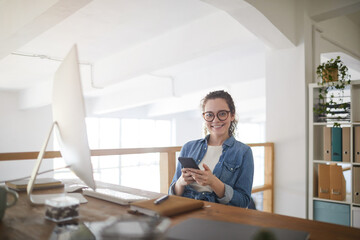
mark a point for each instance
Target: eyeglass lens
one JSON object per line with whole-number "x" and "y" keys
{"x": 221, "y": 115}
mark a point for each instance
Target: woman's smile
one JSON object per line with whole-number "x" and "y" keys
{"x": 216, "y": 126}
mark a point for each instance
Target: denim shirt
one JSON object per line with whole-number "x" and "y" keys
{"x": 235, "y": 169}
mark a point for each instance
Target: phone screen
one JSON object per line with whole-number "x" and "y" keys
{"x": 187, "y": 162}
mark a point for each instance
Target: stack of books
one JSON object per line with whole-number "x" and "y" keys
{"x": 40, "y": 183}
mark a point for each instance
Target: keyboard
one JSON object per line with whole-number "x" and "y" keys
{"x": 114, "y": 196}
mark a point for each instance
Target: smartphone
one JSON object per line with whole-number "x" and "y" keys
{"x": 187, "y": 162}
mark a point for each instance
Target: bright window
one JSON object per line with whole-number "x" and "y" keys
{"x": 138, "y": 171}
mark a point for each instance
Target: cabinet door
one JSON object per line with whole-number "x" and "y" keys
{"x": 332, "y": 212}
{"x": 356, "y": 217}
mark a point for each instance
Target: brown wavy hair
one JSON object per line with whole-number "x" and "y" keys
{"x": 230, "y": 102}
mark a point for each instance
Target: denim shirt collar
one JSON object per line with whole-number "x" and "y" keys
{"x": 228, "y": 142}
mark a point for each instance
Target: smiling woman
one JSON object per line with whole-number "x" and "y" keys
{"x": 227, "y": 165}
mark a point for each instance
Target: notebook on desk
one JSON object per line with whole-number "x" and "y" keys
{"x": 40, "y": 183}
{"x": 172, "y": 206}
{"x": 204, "y": 229}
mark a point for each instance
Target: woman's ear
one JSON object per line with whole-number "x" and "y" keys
{"x": 232, "y": 117}
{"x": 205, "y": 130}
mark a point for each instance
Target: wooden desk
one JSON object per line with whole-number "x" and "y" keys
{"x": 26, "y": 221}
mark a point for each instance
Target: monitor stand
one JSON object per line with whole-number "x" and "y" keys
{"x": 40, "y": 198}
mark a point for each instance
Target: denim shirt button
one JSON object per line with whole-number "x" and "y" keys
{"x": 203, "y": 193}
{"x": 232, "y": 169}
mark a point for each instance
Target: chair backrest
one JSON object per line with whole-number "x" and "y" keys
{"x": 252, "y": 204}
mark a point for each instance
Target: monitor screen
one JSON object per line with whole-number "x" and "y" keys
{"x": 69, "y": 114}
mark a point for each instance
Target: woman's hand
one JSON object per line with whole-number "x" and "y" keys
{"x": 203, "y": 177}
{"x": 186, "y": 177}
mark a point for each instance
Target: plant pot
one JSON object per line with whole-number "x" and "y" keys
{"x": 330, "y": 75}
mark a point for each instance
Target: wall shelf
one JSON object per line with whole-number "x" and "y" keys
{"x": 319, "y": 207}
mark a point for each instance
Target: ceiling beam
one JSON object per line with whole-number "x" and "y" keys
{"x": 25, "y": 20}
{"x": 322, "y": 10}
{"x": 199, "y": 38}
{"x": 257, "y": 23}
{"x": 132, "y": 93}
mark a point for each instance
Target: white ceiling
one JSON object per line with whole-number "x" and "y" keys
{"x": 133, "y": 53}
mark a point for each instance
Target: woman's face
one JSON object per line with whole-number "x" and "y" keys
{"x": 217, "y": 127}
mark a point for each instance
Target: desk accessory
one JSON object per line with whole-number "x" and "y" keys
{"x": 161, "y": 199}
{"x": 4, "y": 191}
{"x": 72, "y": 231}
{"x": 172, "y": 206}
{"x": 75, "y": 188}
{"x": 61, "y": 209}
{"x": 131, "y": 227}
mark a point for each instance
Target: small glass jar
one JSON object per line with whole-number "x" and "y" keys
{"x": 62, "y": 208}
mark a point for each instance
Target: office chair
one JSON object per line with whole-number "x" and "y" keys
{"x": 252, "y": 204}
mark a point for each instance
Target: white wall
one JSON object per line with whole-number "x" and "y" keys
{"x": 188, "y": 128}
{"x": 286, "y": 105}
{"x": 21, "y": 131}
{"x": 286, "y": 127}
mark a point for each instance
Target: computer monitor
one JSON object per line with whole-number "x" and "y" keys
{"x": 69, "y": 119}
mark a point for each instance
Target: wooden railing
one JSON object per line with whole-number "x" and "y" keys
{"x": 168, "y": 165}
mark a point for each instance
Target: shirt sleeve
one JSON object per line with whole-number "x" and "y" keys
{"x": 175, "y": 178}
{"x": 229, "y": 192}
{"x": 177, "y": 173}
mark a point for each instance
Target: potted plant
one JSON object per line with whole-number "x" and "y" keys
{"x": 334, "y": 77}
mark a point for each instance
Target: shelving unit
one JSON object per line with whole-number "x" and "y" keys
{"x": 318, "y": 205}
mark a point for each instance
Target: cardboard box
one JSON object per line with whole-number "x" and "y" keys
{"x": 337, "y": 183}
{"x": 324, "y": 181}
{"x": 331, "y": 182}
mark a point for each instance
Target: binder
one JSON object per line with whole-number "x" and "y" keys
{"x": 327, "y": 144}
{"x": 346, "y": 144}
{"x": 324, "y": 181}
{"x": 336, "y": 145}
{"x": 356, "y": 171}
{"x": 357, "y": 144}
{"x": 337, "y": 183}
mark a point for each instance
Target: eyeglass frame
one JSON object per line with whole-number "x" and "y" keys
{"x": 216, "y": 115}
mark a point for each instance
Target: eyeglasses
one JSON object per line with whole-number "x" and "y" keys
{"x": 222, "y": 115}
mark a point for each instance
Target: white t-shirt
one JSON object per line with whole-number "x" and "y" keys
{"x": 211, "y": 158}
